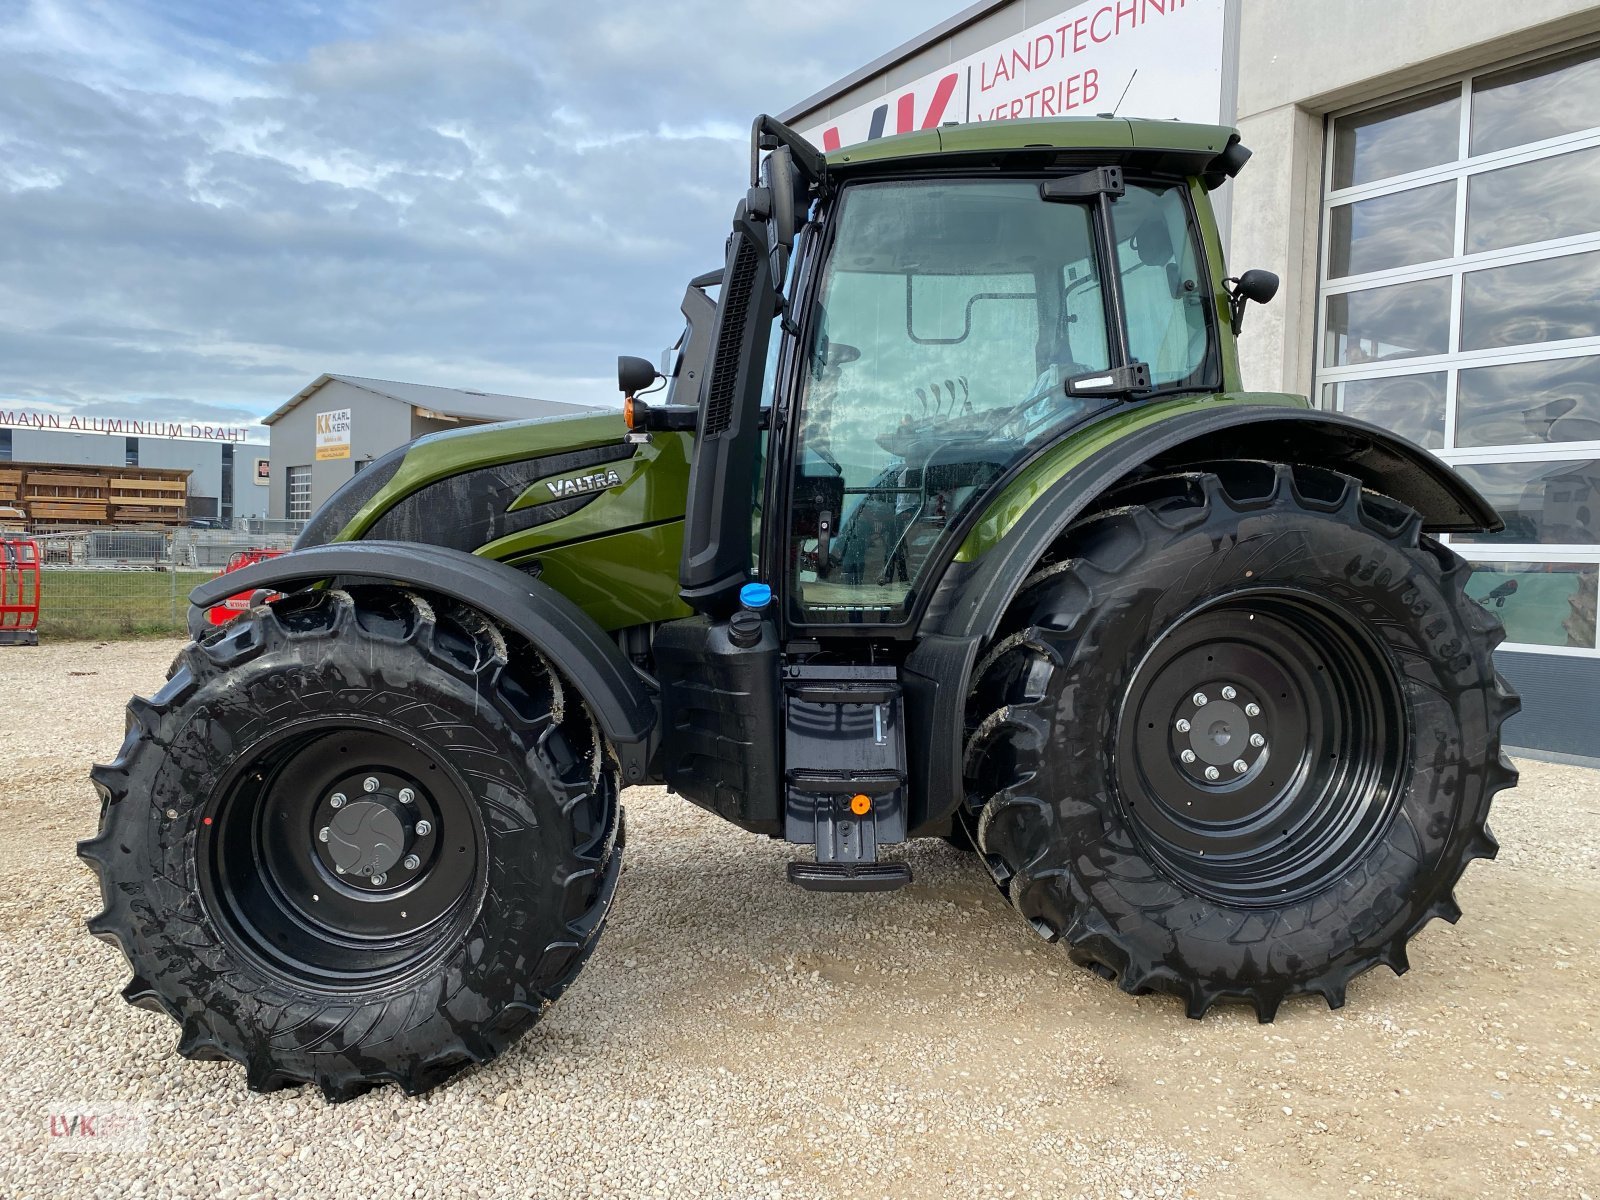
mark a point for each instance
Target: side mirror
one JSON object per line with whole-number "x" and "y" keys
{"x": 635, "y": 374}
{"x": 1257, "y": 286}
{"x": 777, "y": 200}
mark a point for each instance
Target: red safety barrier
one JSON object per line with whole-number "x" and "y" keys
{"x": 221, "y": 614}
{"x": 19, "y": 592}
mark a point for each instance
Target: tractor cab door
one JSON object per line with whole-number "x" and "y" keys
{"x": 958, "y": 326}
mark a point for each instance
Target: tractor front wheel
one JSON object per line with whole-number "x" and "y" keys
{"x": 1240, "y": 739}
{"x": 357, "y": 837}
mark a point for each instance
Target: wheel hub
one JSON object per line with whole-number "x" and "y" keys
{"x": 1219, "y": 733}
{"x": 367, "y": 838}
{"x": 382, "y": 839}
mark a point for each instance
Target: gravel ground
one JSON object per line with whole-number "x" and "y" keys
{"x": 734, "y": 1036}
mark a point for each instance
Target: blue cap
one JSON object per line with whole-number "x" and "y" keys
{"x": 755, "y": 595}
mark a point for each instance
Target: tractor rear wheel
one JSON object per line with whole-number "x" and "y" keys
{"x": 1239, "y": 741}
{"x": 357, "y": 837}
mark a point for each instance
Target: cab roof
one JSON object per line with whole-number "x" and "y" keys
{"x": 1175, "y": 147}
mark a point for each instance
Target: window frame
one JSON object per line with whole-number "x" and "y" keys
{"x": 783, "y": 442}
{"x": 1455, "y": 268}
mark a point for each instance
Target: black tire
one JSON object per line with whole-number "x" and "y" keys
{"x": 1299, "y": 869}
{"x": 298, "y": 956}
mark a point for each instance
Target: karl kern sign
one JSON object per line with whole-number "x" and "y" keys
{"x": 333, "y": 434}
{"x": 124, "y": 426}
{"x": 1167, "y": 54}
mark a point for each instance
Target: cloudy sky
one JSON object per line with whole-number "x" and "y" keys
{"x": 204, "y": 205}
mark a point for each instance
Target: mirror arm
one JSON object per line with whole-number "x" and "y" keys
{"x": 768, "y": 133}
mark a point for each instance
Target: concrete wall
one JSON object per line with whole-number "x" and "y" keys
{"x": 203, "y": 461}
{"x": 52, "y": 446}
{"x": 377, "y": 425}
{"x": 250, "y": 499}
{"x": 1302, "y": 59}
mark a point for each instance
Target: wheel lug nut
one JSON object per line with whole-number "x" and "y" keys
{"x": 1213, "y": 773}
{"x": 407, "y": 796}
{"x": 1252, "y": 710}
{"x": 424, "y": 828}
{"x": 1240, "y": 765}
{"x": 369, "y": 784}
{"x": 322, "y": 834}
{"x": 1228, "y": 693}
{"x": 1187, "y": 756}
{"x": 336, "y": 800}
{"x": 1183, "y": 725}
{"x": 1257, "y": 740}
{"x": 379, "y": 879}
{"x": 412, "y": 862}
{"x": 1199, "y": 699}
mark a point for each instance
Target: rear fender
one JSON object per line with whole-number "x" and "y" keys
{"x": 577, "y": 646}
{"x": 973, "y": 596}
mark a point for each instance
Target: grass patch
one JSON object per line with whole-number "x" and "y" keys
{"x": 115, "y": 604}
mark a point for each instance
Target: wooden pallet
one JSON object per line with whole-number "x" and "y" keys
{"x": 63, "y": 495}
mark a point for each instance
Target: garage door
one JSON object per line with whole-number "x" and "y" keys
{"x": 1460, "y": 306}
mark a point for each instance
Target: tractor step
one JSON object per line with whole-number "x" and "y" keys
{"x": 845, "y": 782}
{"x": 850, "y": 877}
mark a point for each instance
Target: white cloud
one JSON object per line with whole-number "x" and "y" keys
{"x": 220, "y": 201}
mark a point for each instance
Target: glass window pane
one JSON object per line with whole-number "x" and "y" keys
{"x": 1408, "y": 135}
{"x": 1410, "y": 405}
{"x": 1546, "y": 300}
{"x": 1408, "y": 227}
{"x": 1557, "y": 400}
{"x": 1544, "y": 503}
{"x": 1543, "y": 604}
{"x": 1541, "y": 100}
{"x": 951, "y": 313}
{"x": 1381, "y": 324}
{"x": 1534, "y": 202}
{"x": 1161, "y": 286}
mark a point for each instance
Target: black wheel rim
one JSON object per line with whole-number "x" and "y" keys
{"x": 342, "y": 854}
{"x": 1261, "y": 747}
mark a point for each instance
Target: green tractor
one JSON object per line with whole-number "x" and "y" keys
{"x": 947, "y": 517}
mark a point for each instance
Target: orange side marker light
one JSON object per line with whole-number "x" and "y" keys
{"x": 860, "y": 805}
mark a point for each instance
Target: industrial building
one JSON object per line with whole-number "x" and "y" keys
{"x": 222, "y": 462}
{"x": 1423, "y": 181}
{"x": 337, "y": 424}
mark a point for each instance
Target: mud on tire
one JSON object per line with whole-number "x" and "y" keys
{"x": 247, "y": 930}
{"x": 1309, "y": 858}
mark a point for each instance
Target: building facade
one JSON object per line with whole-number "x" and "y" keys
{"x": 1423, "y": 183}
{"x": 222, "y": 473}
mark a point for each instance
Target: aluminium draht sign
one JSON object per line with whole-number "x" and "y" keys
{"x": 1141, "y": 58}
{"x": 154, "y": 427}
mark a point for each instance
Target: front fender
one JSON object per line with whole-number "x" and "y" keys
{"x": 1003, "y": 549}
{"x": 577, "y": 646}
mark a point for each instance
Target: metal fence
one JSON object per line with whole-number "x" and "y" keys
{"x": 108, "y": 583}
